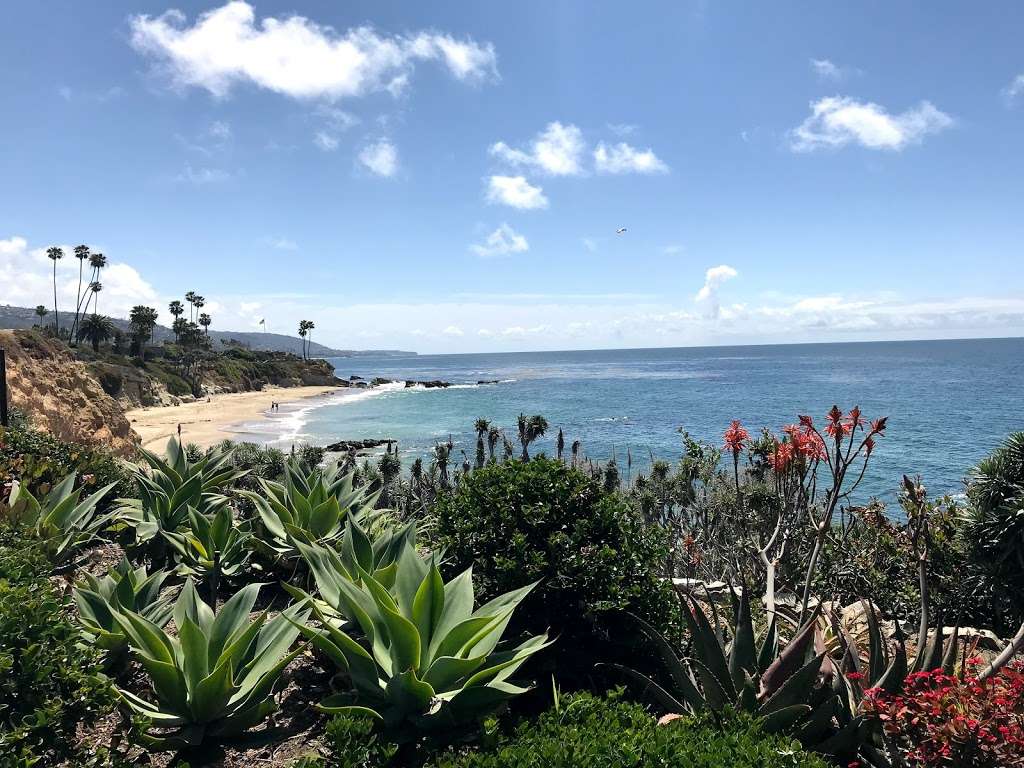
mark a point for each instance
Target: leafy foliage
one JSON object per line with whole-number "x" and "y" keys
{"x": 586, "y": 730}
{"x": 542, "y": 521}
{"x": 427, "y": 659}
{"x": 214, "y": 680}
{"x": 210, "y": 547}
{"x": 49, "y": 681}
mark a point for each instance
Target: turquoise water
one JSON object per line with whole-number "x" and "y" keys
{"x": 948, "y": 402}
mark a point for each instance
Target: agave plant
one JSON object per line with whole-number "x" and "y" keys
{"x": 122, "y": 589}
{"x": 311, "y": 505}
{"x": 61, "y": 520}
{"x": 173, "y": 485}
{"x": 210, "y": 547}
{"x": 425, "y": 658}
{"x": 215, "y": 679}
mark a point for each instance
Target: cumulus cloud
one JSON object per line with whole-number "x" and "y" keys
{"x": 380, "y": 157}
{"x": 713, "y": 279}
{"x": 836, "y": 121}
{"x": 557, "y": 151}
{"x": 503, "y": 241}
{"x": 26, "y": 279}
{"x": 454, "y": 331}
{"x": 515, "y": 191}
{"x": 325, "y": 141}
{"x": 827, "y": 70}
{"x": 294, "y": 55}
{"x": 622, "y": 158}
{"x": 1014, "y": 89}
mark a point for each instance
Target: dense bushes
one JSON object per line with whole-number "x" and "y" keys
{"x": 586, "y": 730}
{"x": 520, "y": 522}
{"x": 49, "y": 682}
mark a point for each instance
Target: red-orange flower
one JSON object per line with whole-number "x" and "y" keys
{"x": 735, "y": 437}
{"x": 835, "y": 427}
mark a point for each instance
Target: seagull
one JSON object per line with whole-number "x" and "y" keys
{"x": 620, "y": 230}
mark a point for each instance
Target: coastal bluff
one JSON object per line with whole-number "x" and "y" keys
{"x": 61, "y": 395}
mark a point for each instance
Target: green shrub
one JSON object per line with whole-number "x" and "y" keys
{"x": 350, "y": 741}
{"x": 586, "y": 730}
{"x": 520, "y": 522}
{"x": 49, "y": 681}
{"x": 40, "y": 461}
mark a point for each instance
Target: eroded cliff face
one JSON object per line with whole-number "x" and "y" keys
{"x": 62, "y": 395}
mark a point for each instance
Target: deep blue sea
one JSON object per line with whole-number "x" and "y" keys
{"x": 948, "y": 402}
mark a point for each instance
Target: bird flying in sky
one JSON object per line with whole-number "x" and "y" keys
{"x": 620, "y": 230}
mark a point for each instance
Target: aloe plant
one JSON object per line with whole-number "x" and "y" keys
{"x": 171, "y": 486}
{"x": 123, "y": 588}
{"x": 215, "y": 679}
{"x": 210, "y": 547}
{"x": 311, "y": 505}
{"x": 61, "y": 520}
{"x": 424, "y": 658}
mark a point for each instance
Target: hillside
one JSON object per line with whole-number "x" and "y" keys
{"x": 24, "y": 317}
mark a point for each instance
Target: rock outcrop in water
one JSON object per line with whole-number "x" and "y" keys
{"x": 354, "y": 446}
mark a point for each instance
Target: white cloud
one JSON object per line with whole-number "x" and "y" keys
{"x": 219, "y": 130}
{"x": 380, "y": 157}
{"x": 557, "y": 150}
{"x": 282, "y": 243}
{"x": 622, "y": 129}
{"x": 836, "y": 121}
{"x": 589, "y": 243}
{"x": 827, "y": 70}
{"x": 622, "y": 158}
{"x": 294, "y": 55}
{"x": 1014, "y": 89}
{"x": 515, "y": 191}
{"x": 714, "y": 278}
{"x": 454, "y": 331}
{"x": 26, "y": 279}
{"x": 325, "y": 141}
{"x": 503, "y": 241}
{"x": 202, "y": 176}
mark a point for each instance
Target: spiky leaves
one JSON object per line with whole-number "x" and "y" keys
{"x": 215, "y": 679}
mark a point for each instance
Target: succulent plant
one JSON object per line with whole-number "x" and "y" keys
{"x": 61, "y": 520}
{"x": 123, "y": 588}
{"x": 215, "y": 679}
{"x": 424, "y": 657}
{"x": 210, "y": 547}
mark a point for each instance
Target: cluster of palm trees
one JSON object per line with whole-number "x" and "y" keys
{"x": 180, "y": 325}
{"x": 306, "y": 334}
{"x": 84, "y": 296}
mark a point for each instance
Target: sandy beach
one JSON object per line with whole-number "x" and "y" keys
{"x": 207, "y": 423}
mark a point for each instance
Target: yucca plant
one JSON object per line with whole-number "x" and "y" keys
{"x": 209, "y": 548}
{"x": 61, "y": 520}
{"x": 215, "y": 679}
{"x": 171, "y": 486}
{"x": 123, "y": 588}
{"x": 424, "y": 658}
{"x": 311, "y": 505}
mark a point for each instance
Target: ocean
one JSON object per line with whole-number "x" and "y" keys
{"x": 948, "y": 402}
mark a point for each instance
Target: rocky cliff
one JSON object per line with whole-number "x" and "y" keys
{"x": 62, "y": 395}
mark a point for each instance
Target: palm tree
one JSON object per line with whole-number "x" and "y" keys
{"x": 199, "y": 302}
{"x": 205, "y": 320}
{"x": 481, "y": 426}
{"x": 310, "y": 325}
{"x": 55, "y": 254}
{"x": 81, "y": 253}
{"x": 529, "y": 430}
{"x": 177, "y": 310}
{"x": 142, "y": 320}
{"x": 302, "y": 335}
{"x": 179, "y": 326}
{"x": 95, "y": 328}
{"x": 95, "y": 286}
{"x": 190, "y": 297}
{"x": 97, "y": 261}
{"x": 42, "y": 312}
{"x": 493, "y": 436}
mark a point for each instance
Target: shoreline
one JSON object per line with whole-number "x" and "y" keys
{"x": 224, "y": 416}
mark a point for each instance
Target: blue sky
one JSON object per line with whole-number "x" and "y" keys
{"x": 450, "y": 176}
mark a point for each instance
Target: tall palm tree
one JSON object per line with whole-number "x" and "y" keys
{"x": 206, "y": 321}
{"x": 95, "y": 286}
{"x": 529, "y": 430}
{"x": 97, "y": 261}
{"x": 42, "y": 312}
{"x": 81, "y": 253}
{"x": 190, "y": 297}
{"x": 95, "y": 328}
{"x": 199, "y": 302}
{"x": 310, "y": 325}
{"x": 481, "y": 426}
{"x": 177, "y": 310}
{"x": 302, "y": 335}
{"x": 143, "y": 321}
{"x": 55, "y": 254}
